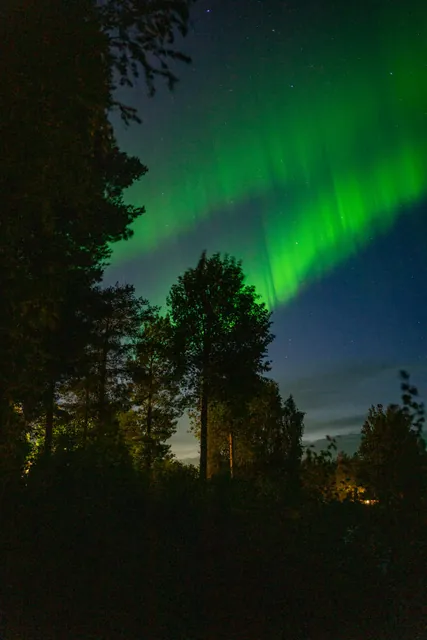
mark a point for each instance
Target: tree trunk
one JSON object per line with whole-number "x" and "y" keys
{"x": 86, "y": 418}
{"x": 231, "y": 453}
{"x": 6, "y": 411}
{"x": 149, "y": 457}
{"x": 204, "y": 433}
{"x": 48, "y": 436}
{"x": 204, "y": 402}
{"x": 214, "y": 458}
{"x": 103, "y": 385}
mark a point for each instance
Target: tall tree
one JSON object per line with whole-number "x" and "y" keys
{"x": 293, "y": 431}
{"x": 62, "y": 175}
{"x": 221, "y": 333}
{"x": 261, "y": 431}
{"x": 155, "y": 394}
{"x": 276, "y": 434}
{"x": 100, "y": 388}
{"x": 222, "y": 436}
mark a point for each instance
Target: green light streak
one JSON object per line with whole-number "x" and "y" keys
{"x": 348, "y": 143}
{"x": 342, "y": 225}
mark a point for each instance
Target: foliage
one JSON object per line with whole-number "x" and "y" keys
{"x": 14, "y": 449}
{"x": 348, "y": 478}
{"x": 412, "y": 407}
{"x": 141, "y": 37}
{"x": 318, "y": 473}
{"x": 155, "y": 394}
{"x": 63, "y": 176}
{"x": 272, "y": 439}
{"x": 221, "y": 335}
{"x": 263, "y": 435}
{"x": 292, "y": 430}
{"x": 392, "y": 461}
{"x": 100, "y": 387}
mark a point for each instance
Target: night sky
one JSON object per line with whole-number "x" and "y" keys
{"x": 297, "y": 141}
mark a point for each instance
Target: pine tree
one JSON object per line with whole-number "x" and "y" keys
{"x": 155, "y": 394}
{"x": 62, "y": 175}
{"x": 101, "y": 387}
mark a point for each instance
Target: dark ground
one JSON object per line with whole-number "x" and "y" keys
{"x": 94, "y": 558}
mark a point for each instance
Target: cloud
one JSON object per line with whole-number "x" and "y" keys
{"x": 184, "y": 444}
{"x": 349, "y": 423}
{"x": 336, "y": 400}
{"x": 331, "y": 387}
{"x": 346, "y": 443}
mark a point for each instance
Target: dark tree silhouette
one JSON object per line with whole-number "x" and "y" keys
{"x": 155, "y": 398}
{"x": 62, "y": 175}
{"x": 100, "y": 388}
{"x": 392, "y": 462}
{"x": 221, "y": 335}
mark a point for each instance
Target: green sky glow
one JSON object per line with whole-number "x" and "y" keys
{"x": 334, "y": 142}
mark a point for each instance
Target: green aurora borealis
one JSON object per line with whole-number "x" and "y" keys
{"x": 328, "y": 131}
